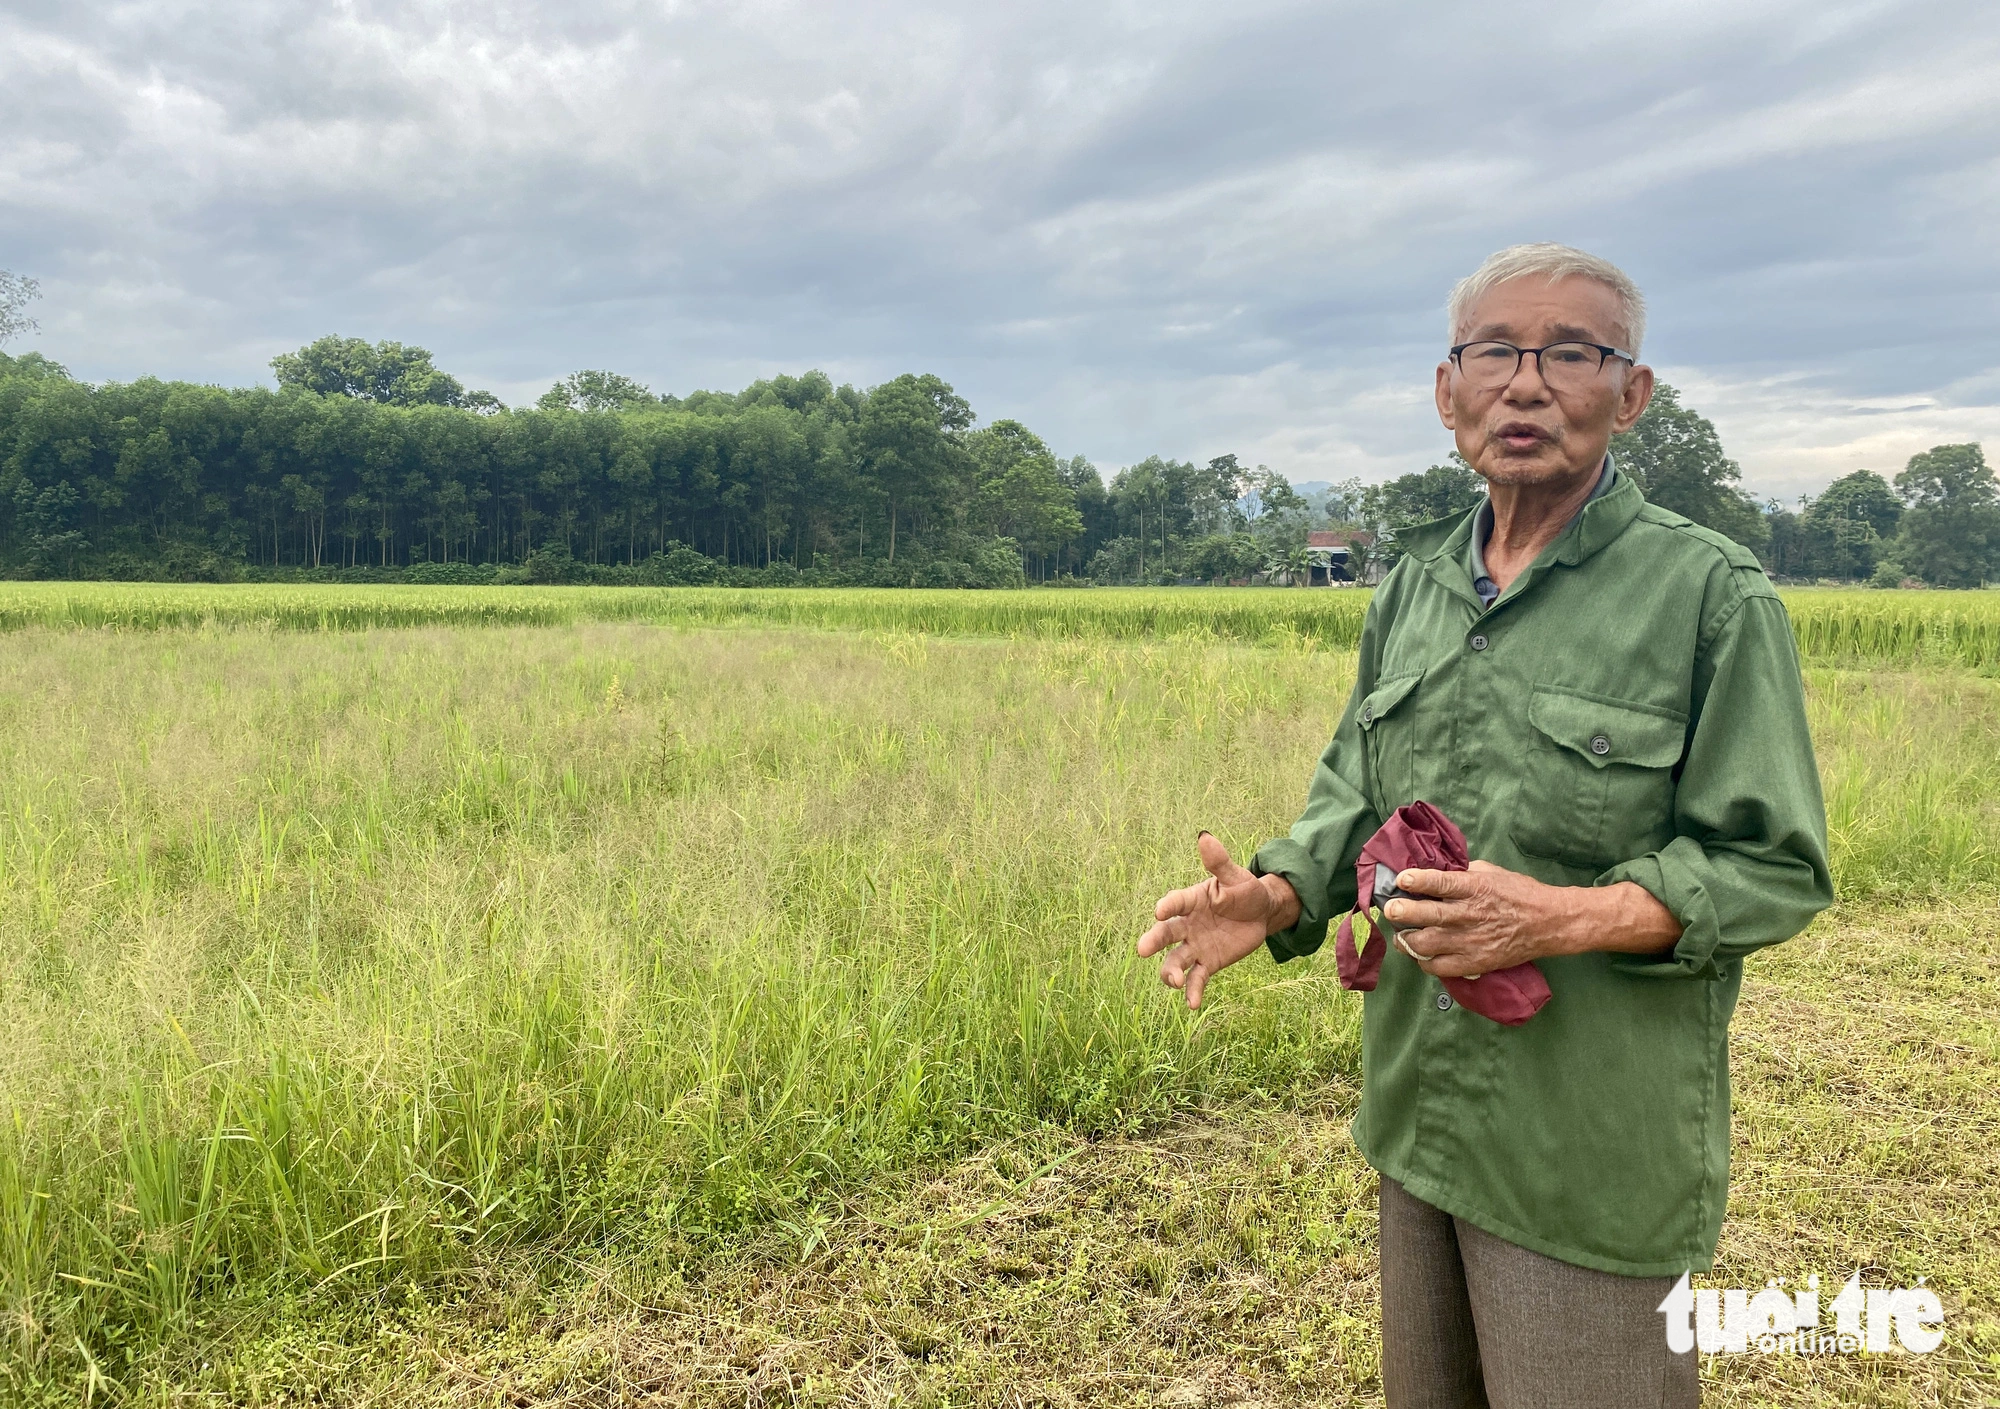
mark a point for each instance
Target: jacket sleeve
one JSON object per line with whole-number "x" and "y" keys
{"x": 1318, "y": 855}
{"x": 1747, "y": 867}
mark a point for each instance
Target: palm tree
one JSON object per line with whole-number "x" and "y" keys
{"x": 1295, "y": 563}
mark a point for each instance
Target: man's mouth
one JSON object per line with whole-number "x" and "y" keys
{"x": 1522, "y": 435}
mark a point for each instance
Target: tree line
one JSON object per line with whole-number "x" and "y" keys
{"x": 369, "y": 461}
{"x": 1938, "y": 524}
{"x": 369, "y": 458}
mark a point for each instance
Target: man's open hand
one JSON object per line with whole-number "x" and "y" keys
{"x": 1485, "y": 919}
{"x": 1204, "y": 928}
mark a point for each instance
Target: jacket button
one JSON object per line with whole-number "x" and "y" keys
{"x": 1600, "y": 745}
{"x": 1479, "y": 643}
{"x": 1444, "y": 1002}
{"x": 1368, "y": 714}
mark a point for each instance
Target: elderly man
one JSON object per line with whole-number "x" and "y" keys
{"x": 1606, "y": 698}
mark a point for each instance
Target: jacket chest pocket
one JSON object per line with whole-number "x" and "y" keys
{"x": 1598, "y": 783}
{"x": 1387, "y": 720}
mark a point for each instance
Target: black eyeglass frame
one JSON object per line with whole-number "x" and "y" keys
{"x": 1604, "y": 354}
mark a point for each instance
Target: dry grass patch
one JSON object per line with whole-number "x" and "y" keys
{"x": 1231, "y": 1260}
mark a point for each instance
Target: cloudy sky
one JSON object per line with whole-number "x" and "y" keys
{"x": 1173, "y": 227}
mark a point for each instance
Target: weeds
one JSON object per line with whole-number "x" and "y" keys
{"x": 331, "y": 962}
{"x": 334, "y": 964}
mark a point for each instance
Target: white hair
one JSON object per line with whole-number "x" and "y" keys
{"x": 1552, "y": 262}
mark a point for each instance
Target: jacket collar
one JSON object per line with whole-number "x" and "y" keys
{"x": 1600, "y": 521}
{"x": 1442, "y": 545}
{"x": 1426, "y": 541}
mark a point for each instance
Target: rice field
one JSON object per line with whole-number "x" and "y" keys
{"x": 345, "y": 948}
{"x": 1958, "y": 629}
{"x": 1323, "y": 618}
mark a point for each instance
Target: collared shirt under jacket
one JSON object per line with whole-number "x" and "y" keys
{"x": 1630, "y": 709}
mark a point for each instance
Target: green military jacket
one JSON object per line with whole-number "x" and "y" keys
{"x": 1630, "y": 709}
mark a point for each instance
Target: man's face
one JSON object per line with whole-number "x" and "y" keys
{"x": 1526, "y": 433}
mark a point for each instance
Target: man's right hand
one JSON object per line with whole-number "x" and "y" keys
{"x": 1204, "y": 928}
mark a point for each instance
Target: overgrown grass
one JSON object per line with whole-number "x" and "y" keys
{"x": 334, "y": 964}
{"x": 1231, "y": 1258}
{"x": 1910, "y": 765}
{"x": 328, "y": 962}
{"x": 1960, "y": 629}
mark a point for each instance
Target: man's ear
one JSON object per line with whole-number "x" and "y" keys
{"x": 1632, "y": 402}
{"x": 1444, "y": 395}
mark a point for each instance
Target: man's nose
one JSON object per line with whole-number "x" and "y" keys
{"x": 1526, "y": 385}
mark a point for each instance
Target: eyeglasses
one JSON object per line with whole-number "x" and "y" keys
{"x": 1565, "y": 366}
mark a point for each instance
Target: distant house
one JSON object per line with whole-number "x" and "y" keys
{"x": 1333, "y": 555}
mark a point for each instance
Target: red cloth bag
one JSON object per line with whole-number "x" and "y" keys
{"x": 1421, "y": 837}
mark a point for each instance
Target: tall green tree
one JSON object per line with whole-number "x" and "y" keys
{"x": 1020, "y": 491}
{"x": 1093, "y": 507}
{"x": 1676, "y": 456}
{"x": 1217, "y": 490}
{"x": 1950, "y": 534}
{"x": 1841, "y": 533}
{"x": 387, "y": 372}
{"x": 1283, "y": 516}
{"x": 1861, "y": 497}
{"x": 1449, "y": 487}
{"x": 31, "y": 366}
{"x": 1446, "y": 488}
{"x": 1154, "y": 505}
{"x": 908, "y": 439}
{"x": 771, "y": 455}
{"x": 590, "y": 390}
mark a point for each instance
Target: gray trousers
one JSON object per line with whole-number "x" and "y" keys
{"x": 1470, "y": 1321}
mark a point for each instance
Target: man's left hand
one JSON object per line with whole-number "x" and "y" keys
{"x": 1486, "y": 919}
{"x": 1477, "y": 921}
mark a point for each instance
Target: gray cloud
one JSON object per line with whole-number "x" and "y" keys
{"x": 1168, "y": 227}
